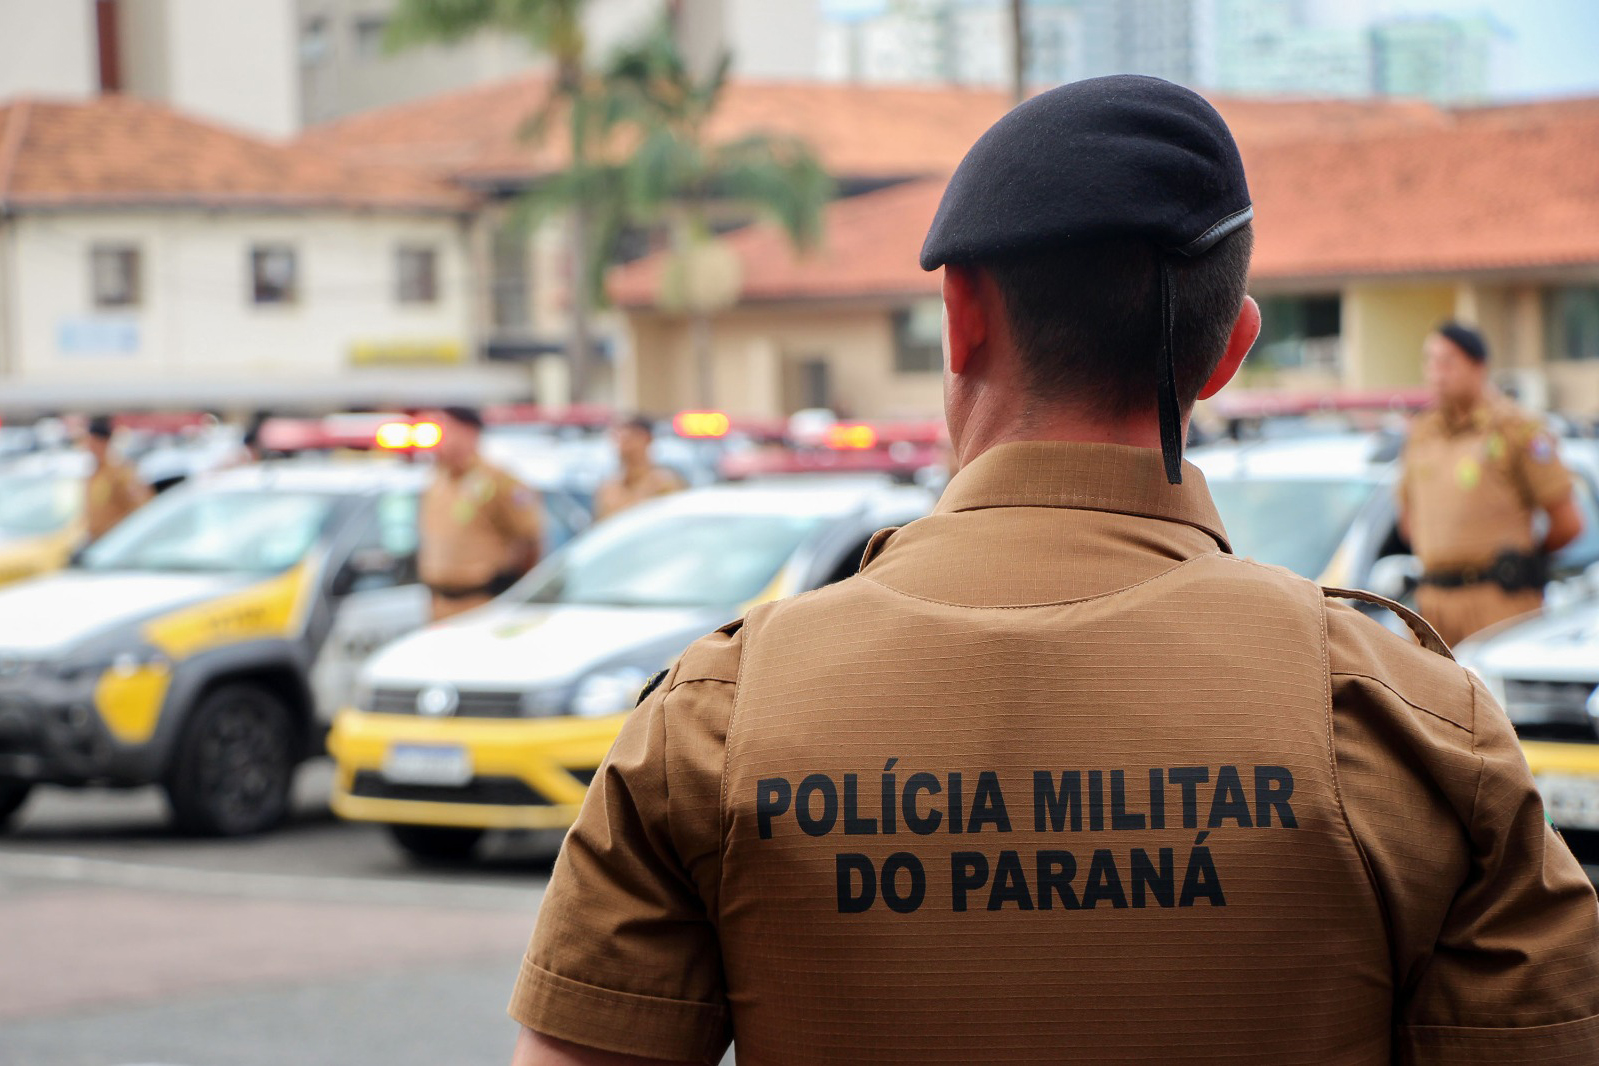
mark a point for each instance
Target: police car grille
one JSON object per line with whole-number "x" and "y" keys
{"x": 1566, "y": 699}
{"x": 470, "y": 705}
{"x": 502, "y": 791}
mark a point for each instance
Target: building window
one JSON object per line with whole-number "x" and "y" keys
{"x": 418, "y": 274}
{"x": 1574, "y": 322}
{"x": 114, "y": 275}
{"x": 1300, "y": 333}
{"x": 919, "y": 338}
{"x": 314, "y": 41}
{"x": 274, "y": 274}
{"x": 510, "y": 294}
{"x": 369, "y": 33}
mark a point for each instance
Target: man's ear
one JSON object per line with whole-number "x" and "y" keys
{"x": 1245, "y": 331}
{"x": 966, "y": 321}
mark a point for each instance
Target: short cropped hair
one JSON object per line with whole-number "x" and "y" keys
{"x": 1087, "y": 319}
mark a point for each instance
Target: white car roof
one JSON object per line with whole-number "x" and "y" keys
{"x": 1344, "y": 455}
{"x": 354, "y": 477}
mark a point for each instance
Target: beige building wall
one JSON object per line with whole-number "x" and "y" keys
{"x": 1384, "y": 325}
{"x": 48, "y": 48}
{"x": 758, "y": 353}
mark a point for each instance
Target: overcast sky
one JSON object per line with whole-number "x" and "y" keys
{"x": 1552, "y": 47}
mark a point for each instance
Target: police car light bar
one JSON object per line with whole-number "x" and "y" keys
{"x": 398, "y": 436}
{"x": 701, "y": 424}
{"x": 851, "y": 438}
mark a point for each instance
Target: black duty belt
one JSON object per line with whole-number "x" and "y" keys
{"x": 1511, "y": 571}
{"x": 493, "y": 587}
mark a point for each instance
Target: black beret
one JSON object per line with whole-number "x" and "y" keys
{"x": 100, "y": 426}
{"x": 1468, "y": 340}
{"x": 1107, "y": 157}
{"x": 468, "y": 416}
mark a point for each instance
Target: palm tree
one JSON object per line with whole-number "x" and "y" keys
{"x": 654, "y": 165}
{"x": 555, "y": 28}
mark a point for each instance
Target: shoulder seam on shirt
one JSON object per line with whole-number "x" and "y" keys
{"x": 1409, "y": 703}
{"x": 1338, "y": 791}
{"x": 723, "y": 828}
{"x": 1043, "y": 603}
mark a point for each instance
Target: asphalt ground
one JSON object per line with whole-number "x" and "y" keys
{"x": 123, "y": 944}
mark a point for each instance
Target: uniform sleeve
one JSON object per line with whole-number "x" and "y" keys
{"x": 1493, "y": 926}
{"x": 516, "y": 509}
{"x": 1542, "y": 478}
{"x": 625, "y": 955}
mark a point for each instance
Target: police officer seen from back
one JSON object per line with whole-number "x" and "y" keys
{"x": 638, "y": 478}
{"x": 1056, "y": 777}
{"x": 479, "y": 525}
{"x": 1476, "y": 470}
{"x": 113, "y": 490}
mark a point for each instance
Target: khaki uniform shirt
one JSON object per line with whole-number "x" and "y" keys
{"x": 622, "y": 492}
{"x": 112, "y": 493}
{"x": 1055, "y": 778}
{"x": 473, "y": 528}
{"x": 1469, "y": 486}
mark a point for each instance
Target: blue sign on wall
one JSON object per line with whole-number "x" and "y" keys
{"x": 97, "y": 335}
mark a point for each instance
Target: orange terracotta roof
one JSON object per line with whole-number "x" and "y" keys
{"x": 1498, "y": 189}
{"x": 116, "y": 150}
{"x": 871, "y": 251}
{"x": 859, "y": 131}
{"x": 1479, "y": 190}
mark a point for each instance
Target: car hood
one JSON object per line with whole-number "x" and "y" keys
{"x": 50, "y": 614}
{"x": 1559, "y": 646}
{"x": 524, "y": 648}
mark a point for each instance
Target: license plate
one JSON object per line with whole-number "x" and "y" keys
{"x": 427, "y": 764}
{"x": 1571, "y": 802}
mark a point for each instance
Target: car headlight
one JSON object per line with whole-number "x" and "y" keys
{"x": 608, "y": 692}
{"x": 124, "y": 662}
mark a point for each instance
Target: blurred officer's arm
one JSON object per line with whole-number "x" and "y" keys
{"x": 1493, "y": 926}
{"x": 625, "y": 956}
{"x": 1402, "y": 493}
{"x": 1546, "y": 484}
{"x": 516, "y": 514}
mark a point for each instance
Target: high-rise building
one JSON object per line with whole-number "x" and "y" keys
{"x": 1276, "y": 47}
{"x": 1446, "y": 60}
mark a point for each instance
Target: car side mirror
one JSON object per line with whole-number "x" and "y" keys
{"x": 1395, "y": 577}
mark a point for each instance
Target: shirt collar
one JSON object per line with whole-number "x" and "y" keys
{"x": 1084, "y": 477}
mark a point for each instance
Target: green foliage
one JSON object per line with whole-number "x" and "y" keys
{"x": 551, "y": 26}
{"x": 651, "y": 160}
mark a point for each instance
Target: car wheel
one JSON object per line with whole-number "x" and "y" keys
{"x": 13, "y": 794}
{"x": 235, "y": 764}
{"x": 430, "y": 844}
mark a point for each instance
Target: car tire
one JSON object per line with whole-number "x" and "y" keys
{"x": 235, "y": 764}
{"x": 13, "y": 794}
{"x": 434, "y": 844}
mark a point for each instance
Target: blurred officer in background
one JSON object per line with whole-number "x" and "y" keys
{"x": 480, "y": 526}
{"x": 1056, "y": 777}
{"x": 1475, "y": 471}
{"x": 113, "y": 490}
{"x": 638, "y": 479}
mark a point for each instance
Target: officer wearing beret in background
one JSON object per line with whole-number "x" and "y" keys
{"x": 1475, "y": 471}
{"x": 1055, "y": 777}
{"x": 638, "y": 478}
{"x": 113, "y": 490}
{"x": 479, "y": 525}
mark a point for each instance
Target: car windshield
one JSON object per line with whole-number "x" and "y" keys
{"x": 1297, "y": 523}
{"x": 655, "y": 559}
{"x": 35, "y": 504}
{"x": 257, "y": 532}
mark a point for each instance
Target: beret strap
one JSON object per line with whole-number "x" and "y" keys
{"x": 1171, "y": 422}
